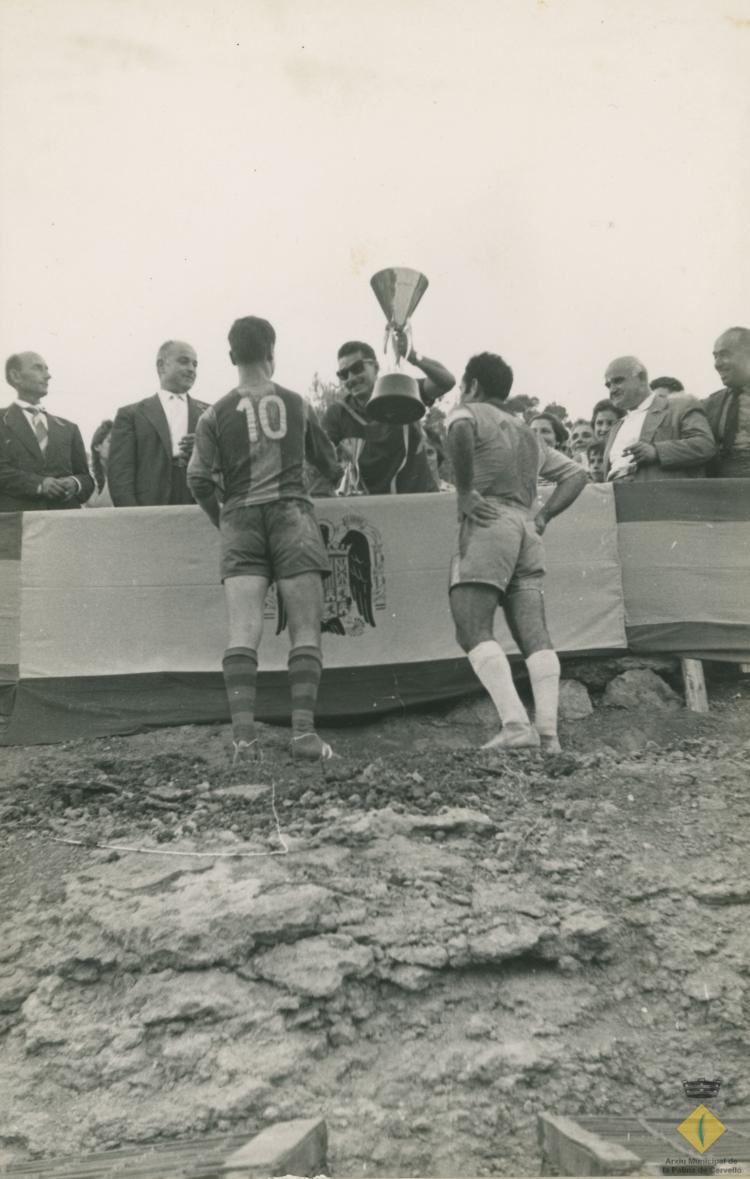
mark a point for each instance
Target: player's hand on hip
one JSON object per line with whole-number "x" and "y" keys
{"x": 541, "y": 521}
{"x": 473, "y": 506}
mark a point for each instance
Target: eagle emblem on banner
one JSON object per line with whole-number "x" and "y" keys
{"x": 354, "y": 591}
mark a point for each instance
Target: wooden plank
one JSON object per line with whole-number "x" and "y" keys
{"x": 298, "y": 1147}
{"x": 568, "y": 1149}
{"x": 696, "y": 697}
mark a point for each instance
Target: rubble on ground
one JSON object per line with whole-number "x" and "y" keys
{"x": 434, "y": 944}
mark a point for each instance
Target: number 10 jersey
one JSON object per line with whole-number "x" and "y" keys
{"x": 250, "y": 448}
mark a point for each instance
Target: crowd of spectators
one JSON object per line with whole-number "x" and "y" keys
{"x": 640, "y": 432}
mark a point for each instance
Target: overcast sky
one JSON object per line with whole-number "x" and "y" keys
{"x": 573, "y": 176}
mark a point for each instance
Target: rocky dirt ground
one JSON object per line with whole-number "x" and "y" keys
{"x": 452, "y": 942}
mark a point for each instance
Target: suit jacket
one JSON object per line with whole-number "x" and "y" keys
{"x": 139, "y": 470}
{"x": 716, "y": 408}
{"x": 23, "y": 465}
{"x": 678, "y": 428}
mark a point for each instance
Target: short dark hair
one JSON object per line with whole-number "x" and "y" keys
{"x": 11, "y": 363}
{"x": 251, "y": 340}
{"x": 596, "y": 448}
{"x": 101, "y": 433}
{"x": 492, "y": 374}
{"x": 605, "y": 406}
{"x": 671, "y": 384}
{"x": 558, "y": 429}
{"x": 357, "y": 346}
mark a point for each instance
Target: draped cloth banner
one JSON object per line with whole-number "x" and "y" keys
{"x": 113, "y": 621}
{"x": 119, "y": 619}
{"x": 685, "y": 555}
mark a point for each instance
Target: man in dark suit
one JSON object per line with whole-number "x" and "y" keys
{"x": 152, "y": 439}
{"x": 43, "y": 463}
{"x": 660, "y": 436}
{"x": 728, "y": 410}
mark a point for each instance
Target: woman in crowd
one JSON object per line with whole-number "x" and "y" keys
{"x": 603, "y": 419}
{"x": 581, "y": 436}
{"x": 99, "y": 455}
{"x": 550, "y": 429}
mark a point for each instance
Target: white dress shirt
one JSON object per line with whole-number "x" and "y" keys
{"x": 175, "y": 407}
{"x": 621, "y": 464}
{"x": 31, "y": 410}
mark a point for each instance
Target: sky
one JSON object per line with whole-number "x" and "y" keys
{"x": 572, "y": 176}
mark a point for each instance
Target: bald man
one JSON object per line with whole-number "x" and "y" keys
{"x": 43, "y": 463}
{"x": 660, "y": 437}
{"x": 152, "y": 440}
{"x": 728, "y": 410}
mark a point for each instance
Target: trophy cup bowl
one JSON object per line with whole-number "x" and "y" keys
{"x": 395, "y": 398}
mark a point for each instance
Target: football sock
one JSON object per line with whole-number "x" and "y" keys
{"x": 240, "y": 667}
{"x": 493, "y": 670}
{"x": 544, "y": 673}
{"x": 305, "y": 669}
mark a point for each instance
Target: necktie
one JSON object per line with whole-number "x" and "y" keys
{"x": 39, "y": 424}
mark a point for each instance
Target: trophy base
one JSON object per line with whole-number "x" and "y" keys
{"x": 395, "y": 400}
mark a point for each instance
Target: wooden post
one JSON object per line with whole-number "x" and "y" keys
{"x": 696, "y": 697}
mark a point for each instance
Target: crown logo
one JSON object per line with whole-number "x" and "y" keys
{"x": 701, "y": 1088}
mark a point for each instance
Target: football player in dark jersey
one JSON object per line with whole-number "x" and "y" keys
{"x": 246, "y": 472}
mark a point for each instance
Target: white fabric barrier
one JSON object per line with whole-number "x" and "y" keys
{"x": 125, "y": 591}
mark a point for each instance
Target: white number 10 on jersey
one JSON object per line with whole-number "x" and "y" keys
{"x": 270, "y": 409}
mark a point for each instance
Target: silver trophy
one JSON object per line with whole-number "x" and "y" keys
{"x": 395, "y": 398}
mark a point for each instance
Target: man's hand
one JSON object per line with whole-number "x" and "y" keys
{"x": 54, "y": 488}
{"x": 541, "y": 520}
{"x": 473, "y": 506}
{"x": 71, "y": 485}
{"x": 402, "y": 343}
{"x": 643, "y": 453}
{"x": 185, "y": 447}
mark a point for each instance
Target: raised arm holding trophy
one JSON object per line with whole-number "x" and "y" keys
{"x": 376, "y": 422}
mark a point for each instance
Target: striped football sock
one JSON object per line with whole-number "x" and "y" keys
{"x": 240, "y": 667}
{"x": 305, "y": 669}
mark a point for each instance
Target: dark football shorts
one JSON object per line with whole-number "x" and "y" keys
{"x": 274, "y": 540}
{"x": 507, "y": 553}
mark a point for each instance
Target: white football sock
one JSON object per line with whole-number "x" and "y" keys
{"x": 493, "y": 670}
{"x": 544, "y": 673}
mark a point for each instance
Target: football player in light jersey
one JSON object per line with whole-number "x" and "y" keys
{"x": 246, "y": 472}
{"x": 500, "y": 561}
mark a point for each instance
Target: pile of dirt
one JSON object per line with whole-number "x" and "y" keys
{"x": 426, "y": 945}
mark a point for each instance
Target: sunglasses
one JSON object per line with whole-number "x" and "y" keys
{"x": 354, "y": 370}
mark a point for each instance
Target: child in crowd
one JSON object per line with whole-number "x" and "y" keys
{"x": 595, "y": 460}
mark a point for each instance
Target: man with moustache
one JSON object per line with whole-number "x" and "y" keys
{"x": 43, "y": 463}
{"x": 660, "y": 437}
{"x": 728, "y": 410}
{"x": 152, "y": 440}
{"x": 387, "y": 458}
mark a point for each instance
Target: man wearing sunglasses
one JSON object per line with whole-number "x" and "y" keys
{"x": 388, "y": 458}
